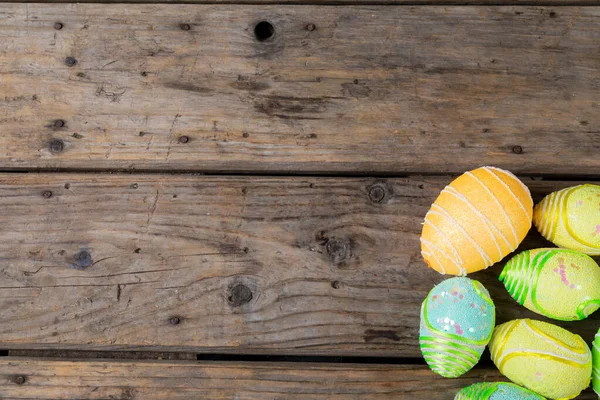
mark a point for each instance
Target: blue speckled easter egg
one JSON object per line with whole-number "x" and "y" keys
{"x": 457, "y": 321}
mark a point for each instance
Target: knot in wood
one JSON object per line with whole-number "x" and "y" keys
{"x": 239, "y": 295}
{"x": 83, "y": 259}
{"x": 517, "y": 150}
{"x": 56, "y": 146}
{"x": 377, "y": 193}
{"x": 19, "y": 379}
{"x": 338, "y": 250}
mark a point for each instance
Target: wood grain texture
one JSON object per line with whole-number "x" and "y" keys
{"x": 369, "y": 90}
{"x": 339, "y": 2}
{"x": 147, "y": 380}
{"x": 223, "y": 264}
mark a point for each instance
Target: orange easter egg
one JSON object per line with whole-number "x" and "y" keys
{"x": 476, "y": 221}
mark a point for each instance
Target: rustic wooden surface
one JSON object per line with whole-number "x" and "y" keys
{"x": 377, "y": 89}
{"x": 147, "y": 380}
{"x": 223, "y": 264}
{"x": 47, "y": 379}
{"x": 339, "y": 2}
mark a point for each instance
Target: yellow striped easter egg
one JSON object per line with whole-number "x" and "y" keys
{"x": 570, "y": 218}
{"x": 477, "y": 220}
{"x": 542, "y": 357}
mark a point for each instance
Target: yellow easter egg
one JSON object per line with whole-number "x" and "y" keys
{"x": 477, "y": 220}
{"x": 558, "y": 283}
{"x": 570, "y": 218}
{"x": 542, "y": 357}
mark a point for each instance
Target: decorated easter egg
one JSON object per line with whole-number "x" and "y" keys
{"x": 477, "y": 220}
{"x": 596, "y": 364}
{"x": 457, "y": 321}
{"x": 570, "y": 218}
{"x": 542, "y": 357}
{"x": 496, "y": 391}
{"x": 558, "y": 283}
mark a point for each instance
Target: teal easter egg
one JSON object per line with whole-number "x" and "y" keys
{"x": 496, "y": 391}
{"x": 557, "y": 283}
{"x": 457, "y": 322}
{"x": 596, "y": 364}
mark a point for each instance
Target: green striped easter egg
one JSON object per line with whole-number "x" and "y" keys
{"x": 596, "y": 364}
{"x": 558, "y": 283}
{"x": 496, "y": 391}
{"x": 457, "y": 321}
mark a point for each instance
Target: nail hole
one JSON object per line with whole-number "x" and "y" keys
{"x": 144, "y": 73}
{"x": 59, "y": 123}
{"x": 263, "y": 31}
{"x": 81, "y": 74}
{"x": 174, "y": 196}
{"x": 70, "y": 61}
{"x": 137, "y": 251}
{"x": 239, "y": 295}
{"x": 175, "y": 320}
{"x": 19, "y": 379}
{"x": 552, "y": 14}
{"x": 77, "y": 136}
{"x": 246, "y": 250}
{"x": 134, "y": 186}
{"x": 335, "y": 284}
{"x": 421, "y": 186}
{"x": 185, "y": 27}
{"x": 245, "y": 134}
{"x": 184, "y": 139}
{"x": 47, "y": 194}
{"x": 67, "y": 186}
{"x": 58, "y": 26}
{"x": 356, "y": 81}
{"x": 517, "y": 150}
{"x": 311, "y": 27}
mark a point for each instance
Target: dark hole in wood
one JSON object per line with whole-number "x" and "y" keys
{"x": 239, "y": 295}
{"x": 59, "y": 123}
{"x": 184, "y": 139}
{"x": 67, "y": 186}
{"x": 335, "y": 284}
{"x": 134, "y": 186}
{"x": 175, "y": 320}
{"x": 137, "y": 251}
{"x": 47, "y": 194}
{"x": 19, "y": 379}
{"x": 70, "y": 61}
{"x": 185, "y": 27}
{"x": 58, "y": 26}
{"x": 552, "y": 14}
{"x": 263, "y": 31}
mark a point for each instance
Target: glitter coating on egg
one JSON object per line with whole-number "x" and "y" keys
{"x": 457, "y": 321}
{"x": 570, "y": 218}
{"x": 476, "y": 221}
{"x": 558, "y": 283}
{"x": 544, "y": 358}
{"x": 496, "y": 391}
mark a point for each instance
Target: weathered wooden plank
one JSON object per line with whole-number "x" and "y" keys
{"x": 341, "y": 2}
{"x": 54, "y": 379}
{"x": 322, "y": 266}
{"x": 370, "y": 89}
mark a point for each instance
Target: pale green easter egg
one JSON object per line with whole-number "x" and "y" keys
{"x": 557, "y": 283}
{"x": 457, "y": 321}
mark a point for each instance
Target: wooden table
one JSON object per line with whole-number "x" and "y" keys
{"x": 224, "y": 201}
